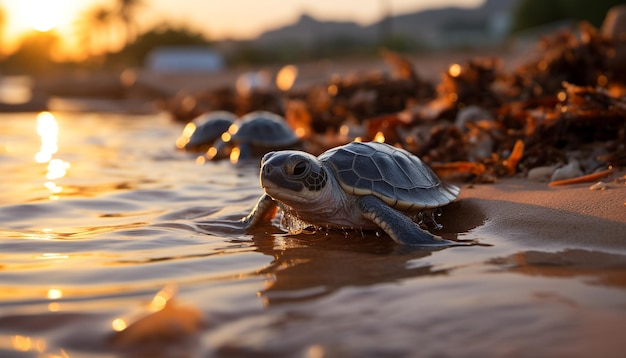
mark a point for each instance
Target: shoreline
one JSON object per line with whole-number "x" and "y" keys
{"x": 535, "y": 214}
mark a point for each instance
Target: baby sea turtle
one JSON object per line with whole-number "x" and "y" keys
{"x": 257, "y": 133}
{"x": 358, "y": 185}
{"x": 208, "y": 128}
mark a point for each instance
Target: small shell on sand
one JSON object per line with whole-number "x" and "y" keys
{"x": 598, "y": 186}
{"x": 542, "y": 174}
{"x": 571, "y": 170}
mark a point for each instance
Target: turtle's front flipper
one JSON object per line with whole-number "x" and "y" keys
{"x": 397, "y": 225}
{"x": 264, "y": 210}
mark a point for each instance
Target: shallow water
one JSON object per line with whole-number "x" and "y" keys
{"x": 91, "y": 232}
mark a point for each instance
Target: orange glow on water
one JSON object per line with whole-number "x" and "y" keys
{"x": 51, "y": 256}
{"x": 22, "y": 343}
{"x": 119, "y": 325}
{"x": 54, "y": 294}
{"x": 48, "y": 130}
{"x": 162, "y": 297}
{"x": 57, "y": 168}
{"x": 26, "y": 344}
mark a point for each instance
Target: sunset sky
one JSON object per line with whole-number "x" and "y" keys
{"x": 239, "y": 19}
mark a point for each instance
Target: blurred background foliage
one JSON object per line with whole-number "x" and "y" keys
{"x": 35, "y": 53}
{"x": 533, "y": 13}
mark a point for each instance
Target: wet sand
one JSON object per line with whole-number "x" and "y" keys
{"x": 533, "y": 213}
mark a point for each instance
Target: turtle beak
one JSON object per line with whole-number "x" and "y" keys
{"x": 273, "y": 175}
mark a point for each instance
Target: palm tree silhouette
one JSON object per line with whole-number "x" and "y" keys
{"x": 93, "y": 29}
{"x": 126, "y": 10}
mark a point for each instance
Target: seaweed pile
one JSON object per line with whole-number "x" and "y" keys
{"x": 565, "y": 109}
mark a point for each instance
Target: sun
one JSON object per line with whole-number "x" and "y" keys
{"x": 42, "y": 15}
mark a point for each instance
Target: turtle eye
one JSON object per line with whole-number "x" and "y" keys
{"x": 300, "y": 169}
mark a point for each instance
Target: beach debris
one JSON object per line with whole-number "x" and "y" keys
{"x": 577, "y": 57}
{"x": 613, "y": 28}
{"x": 470, "y": 83}
{"x": 515, "y": 157}
{"x": 542, "y": 174}
{"x": 298, "y": 117}
{"x": 472, "y": 114}
{"x": 567, "y": 104}
{"x": 598, "y": 186}
{"x": 166, "y": 323}
{"x": 571, "y": 170}
{"x": 356, "y": 185}
{"x": 480, "y": 138}
{"x": 583, "y": 178}
{"x": 455, "y": 168}
{"x": 253, "y": 135}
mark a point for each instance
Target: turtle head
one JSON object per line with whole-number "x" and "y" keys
{"x": 292, "y": 176}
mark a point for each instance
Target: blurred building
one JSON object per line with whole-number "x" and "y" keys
{"x": 184, "y": 59}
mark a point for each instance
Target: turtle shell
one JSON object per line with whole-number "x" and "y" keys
{"x": 209, "y": 127}
{"x": 264, "y": 129}
{"x": 392, "y": 174}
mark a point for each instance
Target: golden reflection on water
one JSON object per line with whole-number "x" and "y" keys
{"x": 45, "y": 234}
{"x": 158, "y": 303}
{"x": 21, "y": 343}
{"x": 48, "y": 130}
{"x": 39, "y": 345}
{"x": 26, "y": 344}
{"x": 119, "y": 325}
{"x": 51, "y": 256}
{"x": 57, "y": 168}
{"x": 162, "y": 297}
{"x": 54, "y": 294}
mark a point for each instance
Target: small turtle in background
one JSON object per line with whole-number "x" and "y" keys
{"x": 358, "y": 185}
{"x": 201, "y": 133}
{"x": 255, "y": 134}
